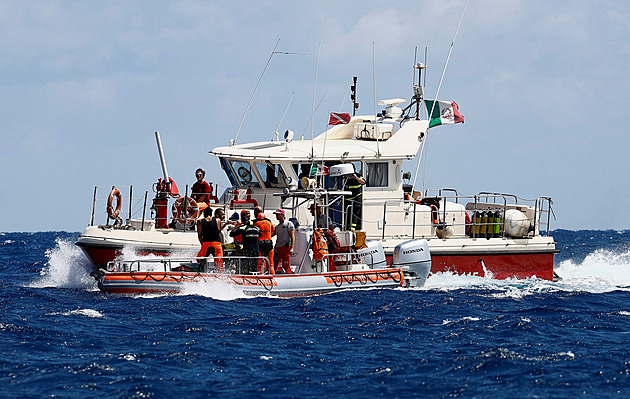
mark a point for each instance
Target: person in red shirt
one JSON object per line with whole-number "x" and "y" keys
{"x": 264, "y": 241}
{"x": 201, "y": 190}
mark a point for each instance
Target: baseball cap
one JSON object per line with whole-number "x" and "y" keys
{"x": 279, "y": 212}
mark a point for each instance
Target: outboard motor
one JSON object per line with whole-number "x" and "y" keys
{"x": 373, "y": 255}
{"x": 414, "y": 259}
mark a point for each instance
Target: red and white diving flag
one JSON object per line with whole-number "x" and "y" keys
{"x": 338, "y": 119}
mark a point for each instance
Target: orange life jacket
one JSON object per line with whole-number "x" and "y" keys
{"x": 320, "y": 246}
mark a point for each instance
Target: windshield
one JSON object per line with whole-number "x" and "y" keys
{"x": 273, "y": 174}
{"x": 244, "y": 174}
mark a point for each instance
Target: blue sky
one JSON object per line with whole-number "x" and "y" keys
{"x": 543, "y": 86}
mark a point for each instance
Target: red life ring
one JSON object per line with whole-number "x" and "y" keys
{"x": 113, "y": 214}
{"x": 178, "y": 210}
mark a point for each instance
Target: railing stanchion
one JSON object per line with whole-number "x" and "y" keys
{"x": 144, "y": 210}
{"x": 384, "y": 218}
{"x": 130, "y": 200}
{"x": 93, "y": 205}
{"x": 413, "y": 229}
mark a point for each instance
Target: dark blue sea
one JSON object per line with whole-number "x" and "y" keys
{"x": 460, "y": 336}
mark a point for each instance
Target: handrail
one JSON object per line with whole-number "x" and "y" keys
{"x": 480, "y": 202}
{"x": 136, "y": 265}
{"x": 349, "y": 256}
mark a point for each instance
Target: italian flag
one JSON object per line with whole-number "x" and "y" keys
{"x": 444, "y": 113}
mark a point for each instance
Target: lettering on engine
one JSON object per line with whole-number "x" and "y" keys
{"x": 372, "y": 252}
{"x": 410, "y": 251}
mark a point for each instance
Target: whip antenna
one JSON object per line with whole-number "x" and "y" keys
{"x": 448, "y": 57}
{"x": 285, "y": 112}
{"x": 450, "y": 50}
{"x": 311, "y": 118}
{"x": 415, "y": 61}
{"x": 378, "y": 150}
{"x": 233, "y": 141}
{"x": 319, "y": 45}
{"x": 255, "y": 88}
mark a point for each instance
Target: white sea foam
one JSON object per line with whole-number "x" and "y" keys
{"x": 466, "y": 318}
{"x": 80, "y": 312}
{"x": 214, "y": 289}
{"x": 129, "y": 253}
{"x": 599, "y": 272}
{"x": 129, "y": 357}
{"x": 67, "y": 267}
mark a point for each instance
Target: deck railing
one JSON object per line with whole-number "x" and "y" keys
{"x": 411, "y": 216}
{"x": 224, "y": 264}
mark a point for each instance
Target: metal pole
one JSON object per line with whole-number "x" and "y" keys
{"x": 475, "y": 220}
{"x": 93, "y": 204}
{"x": 162, "y": 160}
{"x": 144, "y": 210}
{"x": 185, "y": 204}
{"x": 413, "y": 230}
{"x": 384, "y": 221}
{"x": 548, "y": 215}
{"x": 113, "y": 187}
{"x": 130, "y": 200}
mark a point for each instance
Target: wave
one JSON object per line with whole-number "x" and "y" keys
{"x": 67, "y": 267}
{"x": 79, "y": 312}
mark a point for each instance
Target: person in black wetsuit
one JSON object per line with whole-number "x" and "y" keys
{"x": 354, "y": 184}
{"x": 249, "y": 234}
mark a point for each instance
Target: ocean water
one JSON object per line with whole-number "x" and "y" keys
{"x": 460, "y": 336}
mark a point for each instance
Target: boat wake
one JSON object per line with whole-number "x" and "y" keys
{"x": 221, "y": 291}
{"x": 67, "y": 267}
{"x": 601, "y": 271}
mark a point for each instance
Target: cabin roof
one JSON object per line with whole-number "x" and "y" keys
{"x": 338, "y": 142}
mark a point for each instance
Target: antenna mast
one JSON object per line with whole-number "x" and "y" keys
{"x": 353, "y": 95}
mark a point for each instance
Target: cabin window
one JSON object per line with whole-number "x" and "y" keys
{"x": 272, "y": 174}
{"x": 376, "y": 174}
{"x": 228, "y": 171}
{"x": 245, "y": 174}
{"x": 302, "y": 170}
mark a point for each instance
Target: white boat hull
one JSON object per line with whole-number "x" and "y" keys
{"x": 287, "y": 285}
